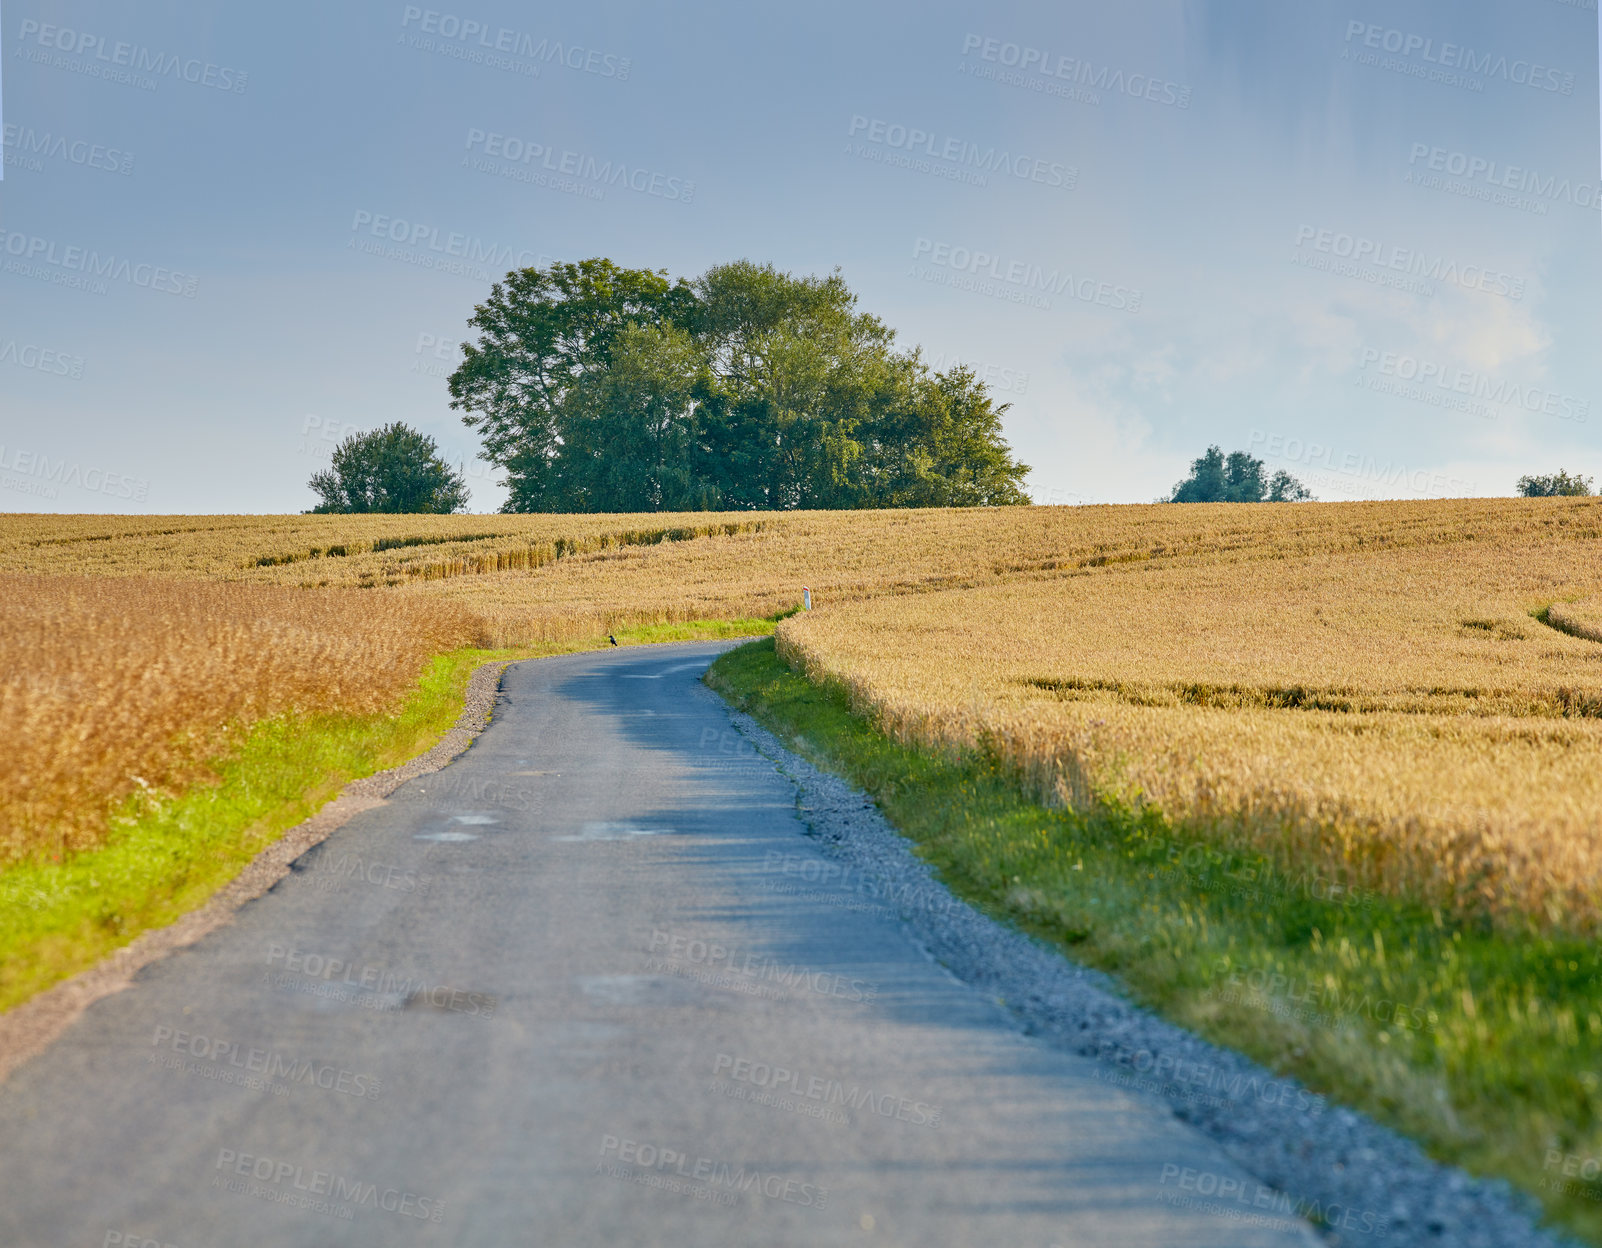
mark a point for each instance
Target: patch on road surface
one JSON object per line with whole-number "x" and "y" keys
{"x": 608, "y": 831}
{"x": 639, "y": 990}
{"x": 473, "y": 819}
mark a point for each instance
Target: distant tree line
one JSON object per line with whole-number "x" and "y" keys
{"x": 398, "y": 469}
{"x": 1236, "y": 478}
{"x": 1553, "y": 485}
{"x": 600, "y": 388}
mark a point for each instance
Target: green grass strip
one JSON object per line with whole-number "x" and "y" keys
{"x": 1484, "y": 1048}
{"x": 696, "y": 630}
{"x": 167, "y": 858}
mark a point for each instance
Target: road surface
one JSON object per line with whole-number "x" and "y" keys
{"x": 566, "y": 991}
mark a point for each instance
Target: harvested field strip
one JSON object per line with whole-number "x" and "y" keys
{"x": 1558, "y": 703}
{"x": 1578, "y": 619}
{"x": 500, "y": 560}
{"x": 844, "y": 554}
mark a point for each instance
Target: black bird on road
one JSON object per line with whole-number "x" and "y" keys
{"x": 611, "y": 639}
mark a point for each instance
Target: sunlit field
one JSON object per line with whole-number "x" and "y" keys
{"x": 1384, "y": 718}
{"x": 120, "y": 687}
{"x": 1406, "y": 695}
{"x": 1400, "y": 711}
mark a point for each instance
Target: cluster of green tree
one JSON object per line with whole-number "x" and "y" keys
{"x": 1554, "y": 484}
{"x": 1236, "y": 478}
{"x": 393, "y": 469}
{"x": 600, "y": 388}
{"x": 398, "y": 469}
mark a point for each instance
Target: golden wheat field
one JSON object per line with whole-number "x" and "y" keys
{"x": 113, "y": 687}
{"x": 1404, "y": 694}
{"x": 1404, "y": 714}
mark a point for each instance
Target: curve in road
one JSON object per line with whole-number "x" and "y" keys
{"x": 562, "y": 993}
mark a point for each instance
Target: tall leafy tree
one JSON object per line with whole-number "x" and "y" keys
{"x": 943, "y": 447}
{"x": 602, "y": 388}
{"x": 791, "y": 358}
{"x": 630, "y": 427}
{"x": 539, "y": 333}
{"x": 393, "y": 469}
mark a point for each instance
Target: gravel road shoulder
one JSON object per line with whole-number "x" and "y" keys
{"x": 1363, "y": 1183}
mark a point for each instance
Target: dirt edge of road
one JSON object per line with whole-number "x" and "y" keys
{"x": 28, "y": 1029}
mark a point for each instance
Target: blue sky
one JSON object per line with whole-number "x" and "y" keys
{"x": 1360, "y": 240}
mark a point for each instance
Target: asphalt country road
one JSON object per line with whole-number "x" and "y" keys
{"x": 561, "y": 993}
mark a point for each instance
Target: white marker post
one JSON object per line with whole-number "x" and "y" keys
{"x": 806, "y": 598}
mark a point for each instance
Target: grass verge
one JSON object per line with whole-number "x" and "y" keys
{"x": 1486, "y": 1049}
{"x": 698, "y": 630}
{"x": 169, "y": 855}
